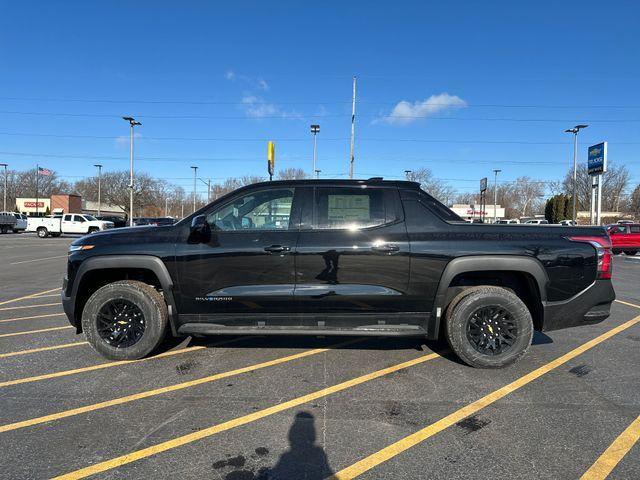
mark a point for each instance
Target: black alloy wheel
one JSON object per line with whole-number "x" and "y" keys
{"x": 120, "y": 323}
{"x": 492, "y": 330}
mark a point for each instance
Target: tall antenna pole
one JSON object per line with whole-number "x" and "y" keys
{"x": 353, "y": 128}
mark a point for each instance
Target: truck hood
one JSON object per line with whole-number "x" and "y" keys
{"x": 129, "y": 236}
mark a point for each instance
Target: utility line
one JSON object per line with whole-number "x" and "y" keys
{"x": 333, "y": 102}
{"x": 310, "y": 116}
{"x": 264, "y": 139}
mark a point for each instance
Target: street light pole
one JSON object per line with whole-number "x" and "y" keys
{"x": 353, "y": 129}
{"x": 99, "y": 184}
{"x": 495, "y": 195}
{"x": 166, "y": 206}
{"x": 132, "y": 123}
{"x": 315, "y": 129}
{"x": 575, "y": 131}
{"x": 4, "y": 202}
{"x": 195, "y": 179}
{"x": 318, "y": 173}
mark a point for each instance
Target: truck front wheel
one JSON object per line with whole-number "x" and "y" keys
{"x": 125, "y": 320}
{"x": 488, "y": 327}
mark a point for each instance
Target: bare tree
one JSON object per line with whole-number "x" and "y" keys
{"x": 436, "y": 188}
{"x": 292, "y": 174}
{"x": 634, "y": 202}
{"x": 614, "y": 183}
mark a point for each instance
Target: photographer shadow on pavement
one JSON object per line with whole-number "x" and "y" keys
{"x": 304, "y": 459}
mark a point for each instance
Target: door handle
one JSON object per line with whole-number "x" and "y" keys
{"x": 386, "y": 248}
{"x": 277, "y": 249}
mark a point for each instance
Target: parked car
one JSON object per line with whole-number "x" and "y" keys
{"x": 567, "y": 223}
{"x": 117, "y": 221}
{"x": 56, "y": 225}
{"x": 336, "y": 257}
{"x": 625, "y": 237}
{"x": 141, "y": 221}
{"x": 7, "y": 222}
{"x": 537, "y": 221}
{"x": 164, "y": 221}
{"x": 506, "y": 221}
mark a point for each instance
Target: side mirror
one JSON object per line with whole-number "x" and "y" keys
{"x": 200, "y": 230}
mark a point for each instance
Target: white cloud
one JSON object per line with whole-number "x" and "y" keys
{"x": 258, "y": 83}
{"x": 256, "y": 107}
{"x": 122, "y": 141}
{"x": 407, "y": 112}
{"x": 262, "y": 84}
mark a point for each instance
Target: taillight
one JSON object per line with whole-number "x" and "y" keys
{"x": 603, "y": 249}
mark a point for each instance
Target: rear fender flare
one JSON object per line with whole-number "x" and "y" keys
{"x": 455, "y": 267}
{"x": 147, "y": 262}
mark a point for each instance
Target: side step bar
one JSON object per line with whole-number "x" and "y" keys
{"x": 365, "y": 330}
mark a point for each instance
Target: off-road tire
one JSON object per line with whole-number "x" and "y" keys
{"x": 42, "y": 232}
{"x": 462, "y": 308}
{"x": 147, "y": 299}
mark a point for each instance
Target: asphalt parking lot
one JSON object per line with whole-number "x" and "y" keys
{"x": 241, "y": 408}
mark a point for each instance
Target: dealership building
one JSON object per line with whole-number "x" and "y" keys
{"x": 475, "y": 211}
{"x": 64, "y": 204}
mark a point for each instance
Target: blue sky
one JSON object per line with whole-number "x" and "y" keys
{"x": 486, "y": 84}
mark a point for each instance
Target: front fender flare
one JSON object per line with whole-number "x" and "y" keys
{"x": 147, "y": 262}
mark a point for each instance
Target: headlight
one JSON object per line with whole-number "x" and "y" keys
{"x": 76, "y": 248}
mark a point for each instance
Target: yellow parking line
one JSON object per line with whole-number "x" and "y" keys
{"x": 15, "y": 319}
{"x": 414, "y": 439}
{"x": 42, "y": 349}
{"x": 605, "y": 464}
{"x": 239, "y": 421}
{"x": 628, "y": 304}
{"x": 28, "y": 296}
{"x": 162, "y": 390}
{"x": 30, "y": 306}
{"x": 101, "y": 366}
{"x": 34, "y": 331}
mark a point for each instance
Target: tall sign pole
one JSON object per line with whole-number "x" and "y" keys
{"x": 271, "y": 159}
{"x": 37, "y": 178}
{"x": 596, "y": 166}
{"x": 4, "y": 200}
{"x": 353, "y": 129}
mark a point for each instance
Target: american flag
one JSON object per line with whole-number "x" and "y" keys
{"x": 44, "y": 171}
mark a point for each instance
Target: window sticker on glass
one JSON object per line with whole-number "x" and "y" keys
{"x": 349, "y": 208}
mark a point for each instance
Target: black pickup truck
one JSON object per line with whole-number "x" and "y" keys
{"x": 337, "y": 257}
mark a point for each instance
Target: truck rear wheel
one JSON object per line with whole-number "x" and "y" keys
{"x": 43, "y": 232}
{"x": 488, "y": 327}
{"x": 125, "y": 320}
{"x": 631, "y": 253}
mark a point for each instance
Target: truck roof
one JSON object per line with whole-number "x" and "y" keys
{"x": 342, "y": 182}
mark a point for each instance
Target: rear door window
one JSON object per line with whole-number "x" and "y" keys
{"x": 353, "y": 207}
{"x": 635, "y": 228}
{"x": 67, "y": 218}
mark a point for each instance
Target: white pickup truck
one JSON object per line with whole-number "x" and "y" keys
{"x": 56, "y": 225}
